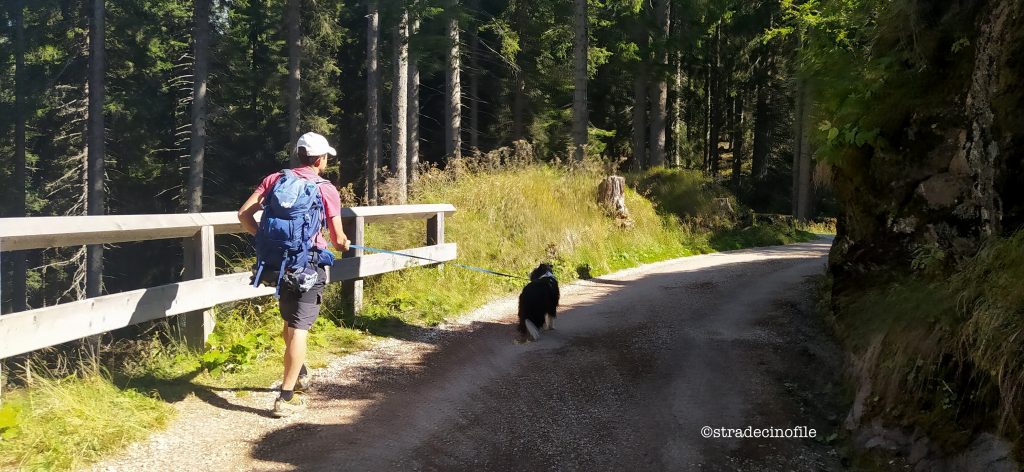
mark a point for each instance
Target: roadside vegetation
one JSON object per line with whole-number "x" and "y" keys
{"x": 941, "y": 352}
{"x": 507, "y": 220}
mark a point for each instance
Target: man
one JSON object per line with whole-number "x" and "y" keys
{"x": 300, "y": 310}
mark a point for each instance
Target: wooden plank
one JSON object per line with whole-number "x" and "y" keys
{"x": 36, "y": 232}
{"x": 30, "y": 330}
{"x": 377, "y": 214}
{"x": 43, "y": 327}
{"x": 375, "y": 264}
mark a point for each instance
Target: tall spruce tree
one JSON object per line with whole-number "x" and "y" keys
{"x": 453, "y": 85}
{"x": 374, "y": 138}
{"x": 400, "y": 104}
{"x": 96, "y": 197}
{"x": 581, "y": 45}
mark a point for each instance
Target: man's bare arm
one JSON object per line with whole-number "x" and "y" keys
{"x": 247, "y": 214}
{"x": 338, "y": 238}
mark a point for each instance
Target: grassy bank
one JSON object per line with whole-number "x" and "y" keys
{"x": 508, "y": 221}
{"x": 942, "y": 351}
{"x": 62, "y": 424}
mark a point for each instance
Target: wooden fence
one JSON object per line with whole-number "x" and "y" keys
{"x": 190, "y": 299}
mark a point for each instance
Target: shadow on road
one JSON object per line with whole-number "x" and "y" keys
{"x": 589, "y": 396}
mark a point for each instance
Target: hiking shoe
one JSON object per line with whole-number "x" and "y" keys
{"x": 531, "y": 330}
{"x": 302, "y": 384}
{"x": 283, "y": 408}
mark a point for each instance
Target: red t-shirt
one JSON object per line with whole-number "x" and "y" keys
{"x": 332, "y": 202}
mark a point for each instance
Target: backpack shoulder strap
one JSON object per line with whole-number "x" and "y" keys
{"x": 323, "y": 201}
{"x": 282, "y": 173}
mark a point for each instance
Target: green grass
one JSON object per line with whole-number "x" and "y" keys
{"x": 759, "y": 235}
{"x": 687, "y": 194}
{"x": 992, "y": 336}
{"x": 66, "y": 423}
{"x": 510, "y": 222}
{"x": 821, "y": 226}
{"x": 507, "y": 221}
{"x": 947, "y": 345}
{"x": 244, "y": 352}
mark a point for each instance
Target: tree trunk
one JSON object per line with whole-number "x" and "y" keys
{"x": 518, "y": 105}
{"x": 294, "y": 76}
{"x": 413, "y": 121}
{"x": 677, "y": 113}
{"x": 453, "y": 87}
{"x": 706, "y": 123}
{"x": 690, "y": 109}
{"x": 255, "y": 44}
{"x": 474, "y": 82}
{"x": 762, "y": 130}
{"x": 519, "y": 78}
{"x": 579, "y": 101}
{"x": 676, "y": 139}
{"x": 640, "y": 119}
{"x": 715, "y": 98}
{"x": 198, "y": 135}
{"x": 798, "y": 142}
{"x": 400, "y": 109}
{"x": 96, "y": 195}
{"x": 18, "y": 302}
{"x": 804, "y": 195}
{"x": 373, "y": 135}
{"x": 738, "y": 137}
{"x": 659, "y": 84}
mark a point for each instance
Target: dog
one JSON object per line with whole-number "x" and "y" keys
{"x": 538, "y": 303}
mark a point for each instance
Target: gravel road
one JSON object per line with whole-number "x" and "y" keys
{"x": 639, "y": 362}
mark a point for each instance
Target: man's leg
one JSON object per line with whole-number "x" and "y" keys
{"x": 299, "y": 312}
{"x": 294, "y": 355}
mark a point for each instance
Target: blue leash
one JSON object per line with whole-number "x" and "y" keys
{"x": 477, "y": 269}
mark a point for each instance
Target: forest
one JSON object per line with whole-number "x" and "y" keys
{"x": 898, "y": 118}
{"x": 195, "y": 103}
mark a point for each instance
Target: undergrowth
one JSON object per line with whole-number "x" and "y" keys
{"x": 943, "y": 351}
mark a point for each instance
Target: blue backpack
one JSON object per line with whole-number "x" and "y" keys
{"x": 293, "y": 213}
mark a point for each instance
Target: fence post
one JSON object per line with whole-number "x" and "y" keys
{"x": 353, "y": 289}
{"x": 196, "y": 326}
{"x": 435, "y": 229}
{"x": 435, "y": 232}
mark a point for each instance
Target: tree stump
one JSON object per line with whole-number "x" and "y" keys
{"x": 724, "y": 207}
{"x": 611, "y": 195}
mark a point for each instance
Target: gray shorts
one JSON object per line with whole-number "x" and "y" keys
{"x": 300, "y": 310}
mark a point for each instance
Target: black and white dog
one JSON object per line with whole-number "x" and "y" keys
{"x": 538, "y": 304}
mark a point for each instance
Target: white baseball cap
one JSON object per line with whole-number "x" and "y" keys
{"x": 315, "y": 144}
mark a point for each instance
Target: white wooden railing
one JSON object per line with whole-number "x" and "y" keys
{"x": 190, "y": 299}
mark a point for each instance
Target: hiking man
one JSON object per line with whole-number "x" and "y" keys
{"x": 292, "y": 252}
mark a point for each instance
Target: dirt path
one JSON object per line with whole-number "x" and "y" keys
{"x": 641, "y": 360}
